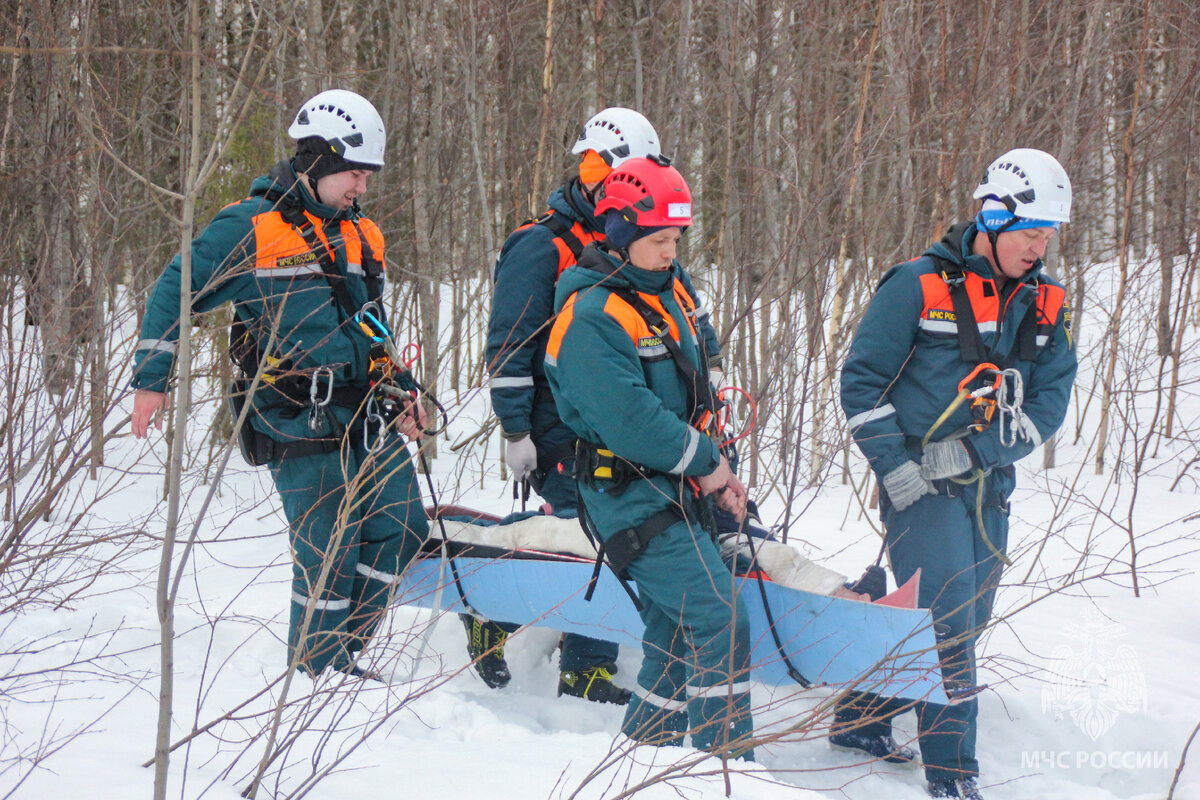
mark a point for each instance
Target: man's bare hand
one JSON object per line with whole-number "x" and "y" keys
{"x": 729, "y": 492}
{"x": 413, "y": 421}
{"x": 847, "y": 594}
{"x": 148, "y": 408}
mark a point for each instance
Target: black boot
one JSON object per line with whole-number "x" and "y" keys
{"x": 595, "y": 684}
{"x": 957, "y": 788}
{"x": 875, "y": 745}
{"x": 485, "y": 644}
{"x": 355, "y": 671}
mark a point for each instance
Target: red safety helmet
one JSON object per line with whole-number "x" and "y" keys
{"x": 649, "y": 193}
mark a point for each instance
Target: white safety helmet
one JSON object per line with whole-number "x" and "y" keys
{"x": 1028, "y": 185}
{"x": 348, "y": 122}
{"x": 618, "y": 134}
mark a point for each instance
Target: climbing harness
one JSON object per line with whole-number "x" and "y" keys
{"x": 606, "y": 472}
{"x": 296, "y": 389}
{"x": 395, "y": 389}
{"x": 999, "y": 398}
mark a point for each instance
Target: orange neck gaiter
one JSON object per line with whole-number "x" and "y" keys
{"x": 593, "y": 169}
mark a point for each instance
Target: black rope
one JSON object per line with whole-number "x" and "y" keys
{"x": 445, "y": 540}
{"x": 792, "y": 672}
{"x": 406, "y": 375}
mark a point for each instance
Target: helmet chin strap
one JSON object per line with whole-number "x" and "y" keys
{"x": 994, "y": 235}
{"x": 590, "y": 194}
{"x": 622, "y": 252}
{"x": 311, "y": 184}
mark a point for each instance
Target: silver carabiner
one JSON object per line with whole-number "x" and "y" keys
{"x": 314, "y": 387}
{"x": 316, "y": 406}
{"x": 372, "y": 414}
{"x": 369, "y": 320}
{"x": 1011, "y": 408}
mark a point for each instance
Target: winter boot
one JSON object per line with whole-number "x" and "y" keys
{"x": 595, "y": 684}
{"x": 355, "y": 671}
{"x": 957, "y": 788}
{"x": 485, "y": 644}
{"x": 877, "y": 746}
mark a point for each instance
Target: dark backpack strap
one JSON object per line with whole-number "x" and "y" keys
{"x": 970, "y": 343}
{"x": 623, "y": 547}
{"x": 593, "y": 536}
{"x": 1027, "y": 333}
{"x": 243, "y": 349}
{"x": 372, "y": 268}
{"x": 696, "y": 380}
{"x": 1027, "y": 337}
{"x": 563, "y": 231}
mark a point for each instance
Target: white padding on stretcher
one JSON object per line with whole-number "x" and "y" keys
{"x": 785, "y": 565}
{"x": 782, "y": 563}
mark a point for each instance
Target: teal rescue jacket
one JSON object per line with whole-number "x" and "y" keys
{"x": 526, "y": 273}
{"x": 905, "y": 362}
{"x": 617, "y": 385}
{"x": 253, "y": 257}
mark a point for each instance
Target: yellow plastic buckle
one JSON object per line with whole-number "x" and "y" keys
{"x": 601, "y": 471}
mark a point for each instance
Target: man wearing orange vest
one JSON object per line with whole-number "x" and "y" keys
{"x": 627, "y": 365}
{"x": 539, "y": 449}
{"x": 300, "y": 262}
{"x": 962, "y": 365}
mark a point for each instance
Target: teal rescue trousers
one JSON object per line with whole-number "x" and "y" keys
{"x": 939, "y": 535}
{"x": 695, "y": 674}
{"x": 356, "y": 521}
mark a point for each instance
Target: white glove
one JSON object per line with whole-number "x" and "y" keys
{"x": 945, "y": 460}
{"x": 521, "y": 456}
{"x": 906, "y": 485}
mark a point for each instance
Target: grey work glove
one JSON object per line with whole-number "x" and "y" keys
{"x": 905, "y": 485}
{"x": 945, "y": 460}
{"x": 521, "y": 456}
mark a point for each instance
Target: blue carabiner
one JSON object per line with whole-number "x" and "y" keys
{"x": 368, "y": 319}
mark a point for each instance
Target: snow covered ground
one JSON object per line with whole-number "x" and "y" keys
{"x": 1091, "y": 693}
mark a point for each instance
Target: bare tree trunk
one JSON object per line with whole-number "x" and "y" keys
{"x": 1131, "y": 176}
{"x": 425, "y": 279}
{"x": 841, "y": 284}
{"x": 598, "y": 49}
{"x": 316, "y": 48}
{"x": 540, "y": 167}
{"x": 166, "y": 609}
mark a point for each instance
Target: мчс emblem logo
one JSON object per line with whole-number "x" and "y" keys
{"x": 1096, "y": 683}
